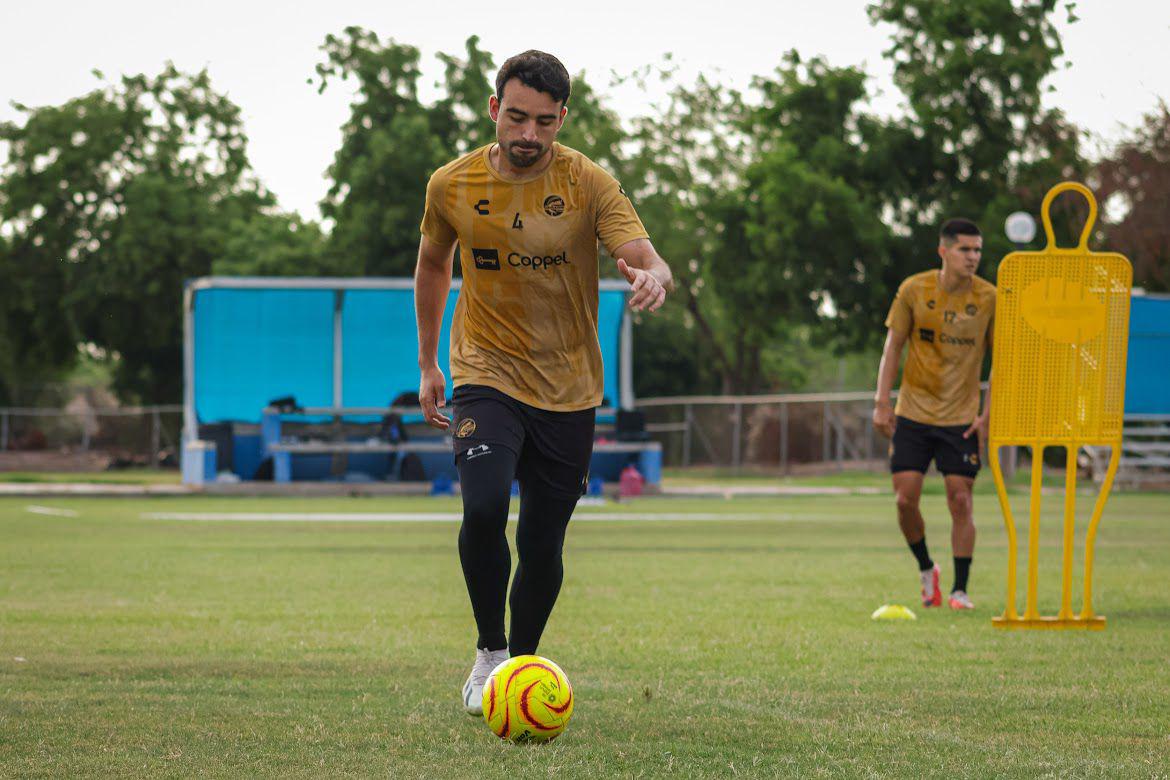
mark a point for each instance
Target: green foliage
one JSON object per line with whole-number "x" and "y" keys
{"x": 974, "y": 75}
{"x": 461, "y": 115}
{"x": 390, "y": 145}
{"x": 1134, "y": 189}
{"x": 277, "y": 244}
{"x": 37, "y": 335}
{"x": 788, "y": 211}
{"x": 815, "y": 196}
{"x": 112, "y": 200}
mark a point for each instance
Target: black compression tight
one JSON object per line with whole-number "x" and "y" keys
{"x": 483, "y": 550}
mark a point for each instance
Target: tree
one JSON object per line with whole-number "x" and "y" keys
{"x": 272, "y": 243}
{"x": 112, "y": 200}
{"x": 390, "y": 145}
{"x": 687, "y": 156}
{"x": 977, "y": 141}
{"x": 1133, "y": 184}
{"x": 37, "y": 335}
{"x": 816, "y": 194}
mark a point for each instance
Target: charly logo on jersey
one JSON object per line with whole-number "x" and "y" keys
{"x": 554, "y": 205}
{"x": 486, "y": 259}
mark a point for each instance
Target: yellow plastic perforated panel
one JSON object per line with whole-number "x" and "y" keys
{"x": 1061, "y": 332}
{"x": 1058, "y": 379}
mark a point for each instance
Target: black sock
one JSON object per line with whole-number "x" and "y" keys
{"x": 919, "y": 550}
{"x": 962, "y": 569}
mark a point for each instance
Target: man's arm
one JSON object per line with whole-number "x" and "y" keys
{"x": 648, "y": 274}
{"x": 883, "y": 410}
{"x": 432, "y": 284}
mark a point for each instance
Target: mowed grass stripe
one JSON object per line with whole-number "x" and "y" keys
{"x": 452, "y": 517}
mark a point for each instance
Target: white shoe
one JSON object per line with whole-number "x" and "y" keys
{"x": 485, "y": 661}
{"x": 960, "y": 600}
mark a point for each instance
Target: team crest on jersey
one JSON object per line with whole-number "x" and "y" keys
{"x": 466, "y": 428}
{"x": 554, "y": 205}
{"x": 971, "y": 309}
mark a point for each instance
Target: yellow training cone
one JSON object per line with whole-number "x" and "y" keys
{"x": 893, "y": 612}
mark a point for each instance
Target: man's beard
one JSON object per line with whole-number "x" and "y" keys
{"x": 524, "y": 161}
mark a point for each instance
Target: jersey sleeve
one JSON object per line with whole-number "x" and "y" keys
{"x": 616, "y": 221}
{"x": 901, "y": 317}
{"x": 435, "y": 225}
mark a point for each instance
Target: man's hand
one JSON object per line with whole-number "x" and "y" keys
{"x": 979, "y": 428}
{"x": 647, "y": 292}
{"x": 431, "y": 398}
{"x": 883, "y": 418}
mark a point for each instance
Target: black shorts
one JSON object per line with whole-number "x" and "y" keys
{"x": 915, "y": 444}
{"x": 552, "y": 449}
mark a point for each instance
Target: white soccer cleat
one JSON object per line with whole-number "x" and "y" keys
{"x": 960, "y": 600}
{"x": 485, "y": 661}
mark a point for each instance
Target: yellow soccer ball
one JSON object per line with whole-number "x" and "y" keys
{"x": 527, "y": 699}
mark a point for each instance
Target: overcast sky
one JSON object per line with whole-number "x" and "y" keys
{"x": 261, "y": 53}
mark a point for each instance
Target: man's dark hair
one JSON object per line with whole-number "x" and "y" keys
{"x": 536, "y": 69}
{"x": 953, "y": 228}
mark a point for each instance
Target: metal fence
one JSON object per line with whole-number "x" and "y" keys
{"x": 787, "y": 432}
{"x": 132, "y": 436}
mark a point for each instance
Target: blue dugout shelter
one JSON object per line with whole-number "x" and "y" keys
{"x": 330, "y": 343}
{"x": 1147, "y": 375}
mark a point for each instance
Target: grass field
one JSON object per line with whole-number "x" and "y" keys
{"x": 118, "y": 477}
{"x": 734, "y": 645}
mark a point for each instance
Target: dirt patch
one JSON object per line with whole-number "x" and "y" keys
{"x": 50, "y": 460}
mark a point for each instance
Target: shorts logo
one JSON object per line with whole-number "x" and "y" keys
{"x": 971, "y": 309}
{"x": 475, "y": 452}
{"x": 554, "y": 205}
{"x": 486, "y": 259}
{"x": 465, "y": 429}
{"x": 971, "y": 459}
{"x": 926, "y": 334}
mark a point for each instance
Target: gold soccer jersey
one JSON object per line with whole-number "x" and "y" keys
{"x": 526, "y": 319}
{"x": 948, "y": 336}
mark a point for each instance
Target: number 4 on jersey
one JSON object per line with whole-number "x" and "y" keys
{"x": 517, "y": 223}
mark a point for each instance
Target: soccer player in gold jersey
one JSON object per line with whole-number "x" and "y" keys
{"x": 527, "y": 214}
{"x": 946, "y": 314}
